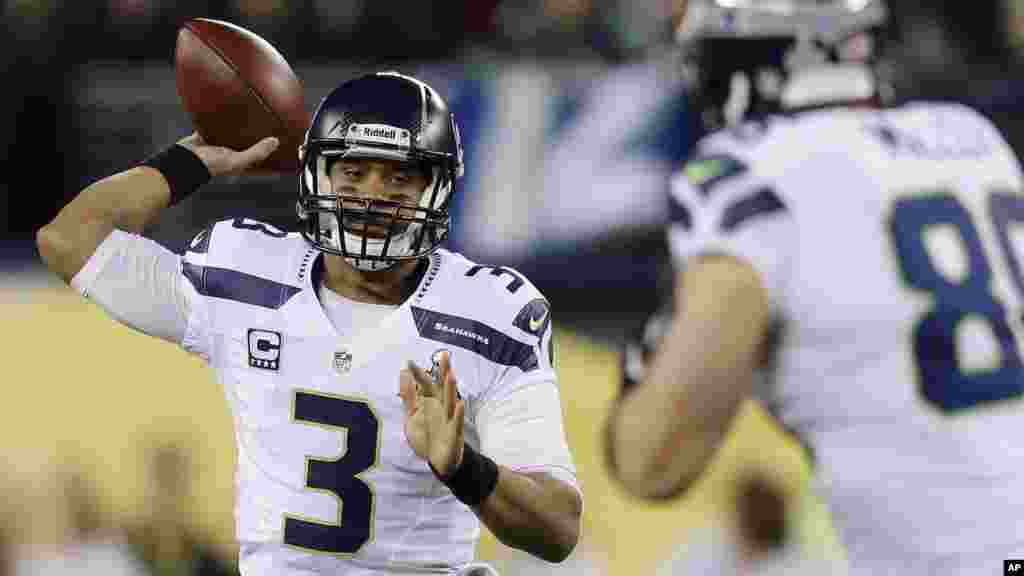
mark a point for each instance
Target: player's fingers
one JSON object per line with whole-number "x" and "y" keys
{"x": 407, "y": 390}
{"x": 449, "y": 395}
{"x": 434, "y": 383}
{"x": 258, "y": 152}
{"x": 449, "y": 374}
{"x": 422, "y": 380}
{"x": 445, "y": 365}
{"x": 460, "y": 417}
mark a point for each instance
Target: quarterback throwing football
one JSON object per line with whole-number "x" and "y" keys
{"x": 388, "y": 395}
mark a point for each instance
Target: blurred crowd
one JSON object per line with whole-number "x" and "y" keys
{"x": 52, "y": 523}
{"x": 352, "y": 29}
{"x": 45, "y": 41}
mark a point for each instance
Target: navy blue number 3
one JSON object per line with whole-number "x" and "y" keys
{"x": 338, "y": 476}
{"x": 943, "y": 383}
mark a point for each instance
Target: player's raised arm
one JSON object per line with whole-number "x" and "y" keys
{"x": 131, "y": 200}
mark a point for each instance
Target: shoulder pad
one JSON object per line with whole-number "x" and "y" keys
{"x": 238, "y": 240}
{"x": 242, "y": 260}
{"x": 774, "y": 147}
{"x": 494, "y": 311}
{"x": 507, "y": 298}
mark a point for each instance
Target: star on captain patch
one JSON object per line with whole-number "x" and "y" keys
{"x": 342, "y": 361}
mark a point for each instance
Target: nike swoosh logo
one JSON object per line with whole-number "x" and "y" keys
{"x": 535, "y": 323}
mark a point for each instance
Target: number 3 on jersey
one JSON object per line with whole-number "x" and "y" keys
{"x": 944, "y": 383}
{"x": 339, "y": 476}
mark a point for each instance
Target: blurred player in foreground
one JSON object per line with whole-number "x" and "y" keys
{"x": 351, "y": 458}
{"x": 162, "y": 538}
{"x": 757, "y": 539}
{"x": 865, "y": 258}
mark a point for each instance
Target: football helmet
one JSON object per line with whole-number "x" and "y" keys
{"x": 752, "y": 57}
{"x": 388, "y": 116}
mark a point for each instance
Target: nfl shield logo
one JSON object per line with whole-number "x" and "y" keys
{"x": 342, "y": 361}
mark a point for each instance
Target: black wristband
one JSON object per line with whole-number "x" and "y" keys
{"x": 474, "y": 479}
{"x": 182, "y": 169}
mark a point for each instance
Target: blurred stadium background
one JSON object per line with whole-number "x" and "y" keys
{"x": 572, "y": 114}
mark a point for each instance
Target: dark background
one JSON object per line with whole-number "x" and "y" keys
{"x": 71, "y": 112}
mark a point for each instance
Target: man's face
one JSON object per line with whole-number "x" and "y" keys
{"x": 377, "y": 179}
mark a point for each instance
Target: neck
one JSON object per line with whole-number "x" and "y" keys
{"x": 390, "y": 286}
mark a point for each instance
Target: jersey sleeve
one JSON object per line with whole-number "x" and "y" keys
{"x": 141, "y": 284}
{"x": 719, "y": 205}
{"x": 519, "y": 418}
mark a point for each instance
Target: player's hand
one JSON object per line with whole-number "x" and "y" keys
{"x": 221, "y": 161}
{"x": 434, "y": 415}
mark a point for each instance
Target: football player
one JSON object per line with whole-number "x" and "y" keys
{"x": 865, "y": 259}
{"x": 353, "y": 457}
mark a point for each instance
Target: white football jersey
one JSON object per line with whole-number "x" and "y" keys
{"x": 326, "y": 481}
{"x": 889, "y": 242}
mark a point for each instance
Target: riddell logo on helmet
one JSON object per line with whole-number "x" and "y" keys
{"x": 389, "y": 133}
{"x": 378, "y": 134}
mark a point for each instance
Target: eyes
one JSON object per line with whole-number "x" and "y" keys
{"x": 354, "y": 173}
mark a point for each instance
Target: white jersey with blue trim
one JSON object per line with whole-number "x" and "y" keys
{"x": 888, "y": 242}
{"x": 327, "y": 483}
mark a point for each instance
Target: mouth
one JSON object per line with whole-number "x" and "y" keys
{"x": 371, "y": 232}
{"x": 374, "y": 228}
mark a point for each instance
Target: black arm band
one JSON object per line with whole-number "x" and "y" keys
{"x": 475, "y": 478}
{"x": 182, "y": 169}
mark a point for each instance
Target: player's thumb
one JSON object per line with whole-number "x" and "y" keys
{"x": 407, "y": 390}
{"x": 259, "y": 151}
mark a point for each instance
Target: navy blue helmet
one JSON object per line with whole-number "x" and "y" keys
{"x": 388, "y": 116}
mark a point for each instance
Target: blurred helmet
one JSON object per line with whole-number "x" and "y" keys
{"x": 386, "y": 116}
{"x": 761, "y": 56}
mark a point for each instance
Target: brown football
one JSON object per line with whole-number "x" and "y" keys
{"x": 237, "y": 88}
